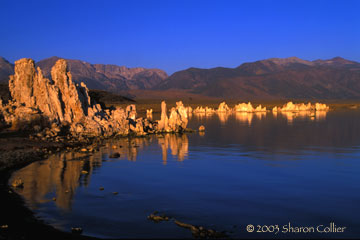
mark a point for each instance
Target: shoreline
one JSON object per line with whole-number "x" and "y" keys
{"x": 18, "y": 221}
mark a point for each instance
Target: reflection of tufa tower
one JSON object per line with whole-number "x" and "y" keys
{"x": 56, "y": 174}
{"x": 63, "y": 173}
{"x": 178, "y": 144}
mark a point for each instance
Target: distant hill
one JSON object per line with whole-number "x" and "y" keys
{"x": 275, "y": 78}
{"x": 108, "y": 77}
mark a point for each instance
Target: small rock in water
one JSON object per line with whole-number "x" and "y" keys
{"x": 115, "y": 193}
{"x": 101, "y": 188}
{"x": 76, "y": 230}
{"x": 114, "y": 155}
{"x": 202, "y": 128}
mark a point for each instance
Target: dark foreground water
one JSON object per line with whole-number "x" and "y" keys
{"x": 259, "y": 169}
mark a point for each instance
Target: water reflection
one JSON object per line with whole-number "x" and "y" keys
{"x": 127, "y": 147}
{"x": 223, "y": 117}
{"x": 302, "y": 115}
{"x": 244, "y": 117}
{"x": 320, "y": 115}
{"x": 61, "y": 174}
{"x": 178, "y": 144}
{"x": 248, "y": 117}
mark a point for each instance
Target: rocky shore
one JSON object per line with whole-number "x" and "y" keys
{"x": 16, "y": 220}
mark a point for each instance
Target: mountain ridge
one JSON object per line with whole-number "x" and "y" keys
{"x": 273, "y": 78}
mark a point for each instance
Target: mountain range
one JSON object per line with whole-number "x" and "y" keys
{"x": 278, "y": 78}
{"x": 108, "y": 77}
{"x": 274, "y": 78}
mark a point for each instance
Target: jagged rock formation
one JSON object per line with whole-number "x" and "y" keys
{"x": 243, "y": 107}
{"x": 42, "y": 102}
{"x": 177, "y": 121}
{"x": 223, "y": 107}
{"x": 206, "y": 110}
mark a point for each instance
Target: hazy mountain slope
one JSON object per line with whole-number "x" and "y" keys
{"x": 6, "y": 69}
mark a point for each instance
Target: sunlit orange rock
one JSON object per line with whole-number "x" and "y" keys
{"x": 223, "y": 107}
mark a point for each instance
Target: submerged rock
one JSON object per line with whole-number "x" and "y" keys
{"x": 76, "y": 230}
{"x": 158, "y": 218}
{"x": 197, "y": 231}
{"x": 201, "y": 232}
{"x": 114, "y": 155}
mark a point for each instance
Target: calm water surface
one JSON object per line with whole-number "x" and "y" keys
{"x": 245, "y": 169}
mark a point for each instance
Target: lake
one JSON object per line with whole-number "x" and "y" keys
{"x": 259, "y": 169}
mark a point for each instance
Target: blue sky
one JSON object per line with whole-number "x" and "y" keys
{"x": 175, "y": 35}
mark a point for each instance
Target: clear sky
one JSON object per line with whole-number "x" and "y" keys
{"x": 175, "y": 35}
